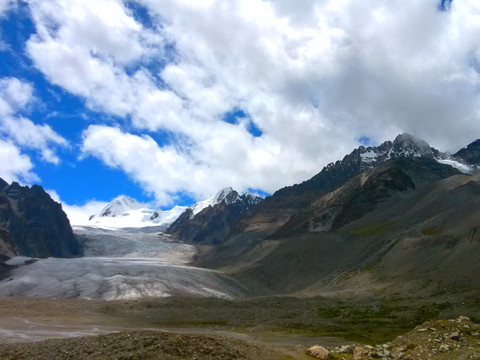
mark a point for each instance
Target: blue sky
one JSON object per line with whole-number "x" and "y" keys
{"x": 169, "y": 101}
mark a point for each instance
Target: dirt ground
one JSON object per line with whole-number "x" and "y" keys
{"x": 255, "y": 328}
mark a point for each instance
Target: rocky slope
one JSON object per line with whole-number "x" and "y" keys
{"x": 402, "y": 221}
{"x": 212, "y": 223}
{"x": 277, "y": 209}
{"x": 32, "y": 224}
{"x": 440, "y": 339}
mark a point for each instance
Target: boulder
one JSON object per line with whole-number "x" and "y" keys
{"x": 319, "y": 352}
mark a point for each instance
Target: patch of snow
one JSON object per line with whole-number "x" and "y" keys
{"x": 18, "y": 260}
{"x": 369, "y": 156}
{"x": 464, "y": 168}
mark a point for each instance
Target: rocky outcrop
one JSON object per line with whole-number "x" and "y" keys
{"x": 319, "y": 352}
{"x": 439, "y": 339}
{"x": 32, "y": 224}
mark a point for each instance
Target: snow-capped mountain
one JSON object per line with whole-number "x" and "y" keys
{"x": 226, "y": 195}
{"x": 118, "y": 206}
{"x": 404, "y": 145}
{"x": 209, "y": 221}
{"x": 409, "y": 146}
{"x": 126, "y": 212}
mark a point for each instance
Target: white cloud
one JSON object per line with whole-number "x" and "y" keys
{"x": 15, "y": 166}
{"x": 6, "y": 5}
{"x": 28, "y": 135}
{"x": 80, "y": 214}
{"x": 314, "y": 77}
{"x": 15, "y": 95}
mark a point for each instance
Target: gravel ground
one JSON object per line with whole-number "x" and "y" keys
{"x": 139, "y": 345}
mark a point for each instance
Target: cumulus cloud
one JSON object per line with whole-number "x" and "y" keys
{"x": 78, "y": 214}
{"x": 15, "y": 95}
{"x": 314, "y": 78}
{"x": 15, "y": 166}
{"x": 6, "y": 5}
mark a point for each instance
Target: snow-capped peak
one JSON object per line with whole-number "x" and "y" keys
{"x": 408, "y": 145}
{"x": 404, "y": 145}
{"x": 125, "y": 212}
{"x": 119, "y": 206}
{"x": 227, "y": 195}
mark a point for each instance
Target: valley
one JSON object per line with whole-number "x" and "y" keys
{"x": 368, "y": 249}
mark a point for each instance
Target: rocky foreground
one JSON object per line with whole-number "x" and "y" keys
{"x": 138, "y": 345}
{"x": 441, "y": 339}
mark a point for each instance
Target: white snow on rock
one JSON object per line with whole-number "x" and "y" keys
{"x": 119, "y": 206}
{"x": 125, "y": 212}
{"x": 369, "y": 156}
{"x": 227, "y": 195}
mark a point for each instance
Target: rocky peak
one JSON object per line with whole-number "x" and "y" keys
{"x": 408, "y": 145}
{"x": 32, "y": 224}
{"x": 210, "y": 221}
{"x": 251, "y": 199}
{"x": 227, "y": 195}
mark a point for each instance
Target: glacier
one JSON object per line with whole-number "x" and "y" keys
{"x": 119, "y": 264}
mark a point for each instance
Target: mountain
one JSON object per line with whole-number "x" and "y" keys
{"x": 32, "y": 224}
{"x": 210, "y": 221}
{"x": 399, "y": 218}
{"x": 226, "y": 195}
{"x": 125, "y": 212}
{"x": 277, "y": 209}
{"x": 118, "y": 207}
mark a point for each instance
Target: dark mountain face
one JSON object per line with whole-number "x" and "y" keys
{"x": 277, "y": 209}
{"x": 470, "y": 154}
{"x": 32, "y": 224}
{"x": 364, "y": 193}
{"x": 212, "y": 224}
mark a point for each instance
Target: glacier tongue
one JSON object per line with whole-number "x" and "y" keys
{"x": 118, "y": 264}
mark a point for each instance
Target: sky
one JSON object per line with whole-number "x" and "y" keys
{"x": 167, "y": 101}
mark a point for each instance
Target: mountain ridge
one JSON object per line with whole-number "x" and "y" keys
{"x": 123, "y": 211}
